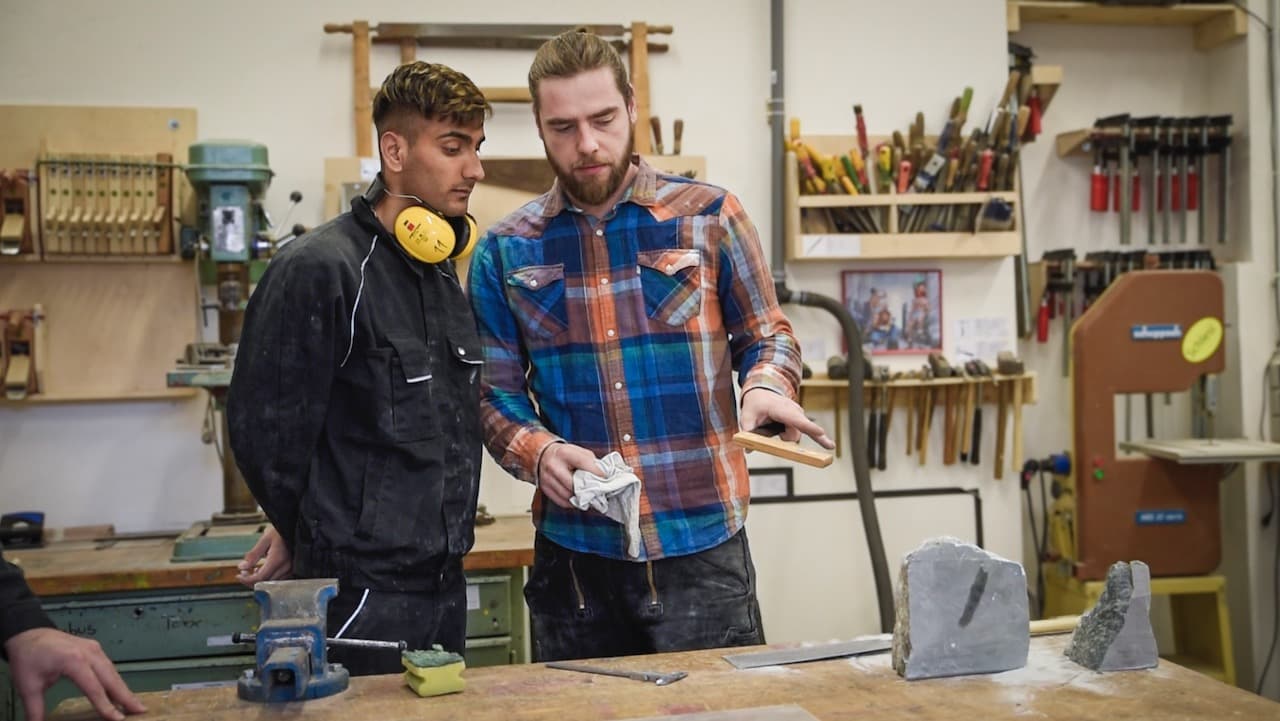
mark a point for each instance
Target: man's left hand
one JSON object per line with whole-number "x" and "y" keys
{"x": 40, "y": 656}
{"x": 761, "y": 406}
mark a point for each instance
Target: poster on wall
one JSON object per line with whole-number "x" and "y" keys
{"x": 897, "y": 311}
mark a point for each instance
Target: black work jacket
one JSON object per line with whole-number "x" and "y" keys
{"x": 354, "y": 407}
{"x": 19, "y": 609}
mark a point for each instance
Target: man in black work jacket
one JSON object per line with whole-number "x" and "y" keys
{"x": 39, "y": 654}
{"x": 353, "y": 407}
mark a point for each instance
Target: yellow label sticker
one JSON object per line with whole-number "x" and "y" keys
{"x": 1202, "y": 340}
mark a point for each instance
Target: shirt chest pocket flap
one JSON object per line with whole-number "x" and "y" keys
{"x": 413, "y": 416}
{"x": 672, "y": 284}
{"x": 536, "y": 293}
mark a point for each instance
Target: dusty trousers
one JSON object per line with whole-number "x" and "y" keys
{"x": 419, "y": 619}
{"x": 585, "y": 606}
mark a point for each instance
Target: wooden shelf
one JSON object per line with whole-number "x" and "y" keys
{"x": 77, "y": 258}
{"x": 1028, "y": 380}
{"x": 1046, "y": 79}
{"x": 894, "y": 200}
{"x": 815, "y": 247}
{"x": 159, "y": 395}
{"x": 829, "y": 246}
{"x": 950, "y": 393}
{"x": 1213, "y": 24}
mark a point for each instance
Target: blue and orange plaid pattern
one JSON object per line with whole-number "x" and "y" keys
{"x": 624, "y": 335}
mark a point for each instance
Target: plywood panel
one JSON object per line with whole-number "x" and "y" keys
{"x": 113, "y": 328}
{"x": 83, "y": 129}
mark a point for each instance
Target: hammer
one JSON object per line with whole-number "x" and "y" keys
{"x": 1009, "y": 365}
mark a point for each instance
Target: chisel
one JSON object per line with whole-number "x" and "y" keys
{"x": 862, "y": 129}
{"x": 678, "y": 134}
{"x": 657, "y": 134}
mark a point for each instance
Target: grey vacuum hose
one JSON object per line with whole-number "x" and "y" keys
{"x": 852, "y": 339}
{"x": 858, "y": 439}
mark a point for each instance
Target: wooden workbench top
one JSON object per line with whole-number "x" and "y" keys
{"x": 76, "y": 567}
{"x": 1049, "y": 687}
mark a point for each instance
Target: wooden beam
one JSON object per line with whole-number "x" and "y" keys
{"x": 363, "y": 100}
{"x": 640, "y": 83}
{"x": 513, "y": 94}
{"x": 1012, "y": 16}
{"x": 408, "y": 50}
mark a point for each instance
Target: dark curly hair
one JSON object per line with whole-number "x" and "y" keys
{"x": 427, "y": 90}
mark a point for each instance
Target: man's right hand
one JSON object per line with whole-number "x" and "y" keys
{"x": 268, "y": 560}
{"x": 556, "y": 467}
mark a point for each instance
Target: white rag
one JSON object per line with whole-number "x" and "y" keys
{"x": 615, "y": 493}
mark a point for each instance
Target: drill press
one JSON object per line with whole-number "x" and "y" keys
{"x": 229, "y": 178}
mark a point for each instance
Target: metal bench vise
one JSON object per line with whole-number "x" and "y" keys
{"x": 290, "y": 642}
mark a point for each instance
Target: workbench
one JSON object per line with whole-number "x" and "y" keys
{"x": 1048, "y": 687}
{"x": 168, "y": 624}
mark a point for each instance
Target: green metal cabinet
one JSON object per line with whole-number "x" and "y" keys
{"x": 162, "y": 640}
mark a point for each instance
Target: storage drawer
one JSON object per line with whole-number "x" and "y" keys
{"x": 158, "y": 676}
{"x": 488, "y": 605}
{"x": 495, "y": 651}
{"x": 161, "y": 625}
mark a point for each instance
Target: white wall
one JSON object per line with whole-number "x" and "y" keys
{"x": 265, "y": 71}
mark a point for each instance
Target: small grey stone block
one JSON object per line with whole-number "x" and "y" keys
{"x": 960, "y": 610}
{"x": 1115, "y": 635}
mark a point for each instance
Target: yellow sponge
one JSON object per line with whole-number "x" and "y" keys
{"x": 433, "y": 673}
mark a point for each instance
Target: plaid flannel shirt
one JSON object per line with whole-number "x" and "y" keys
{"x": 623, "y": 334}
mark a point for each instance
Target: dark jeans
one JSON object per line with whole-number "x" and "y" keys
{"x": 420, "y": 619}
{"x": 586, "y": 606}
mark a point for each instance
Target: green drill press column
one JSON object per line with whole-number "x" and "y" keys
{"x": 229, "y": 178}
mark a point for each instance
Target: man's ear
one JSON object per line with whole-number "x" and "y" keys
{"x": 631, "y": 104}
{"x": 394, "y": 148}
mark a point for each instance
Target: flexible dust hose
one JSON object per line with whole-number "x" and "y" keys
{"x": 852, "y": 339}
{"x": 858, "y": 439}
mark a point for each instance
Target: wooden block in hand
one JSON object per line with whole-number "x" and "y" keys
{"x": 782, "y": 449}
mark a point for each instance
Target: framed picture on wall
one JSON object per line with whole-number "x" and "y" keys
{"x": 897, "y": 311}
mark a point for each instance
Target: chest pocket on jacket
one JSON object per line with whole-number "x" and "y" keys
{"x": 672, "y": 284}
{"x": 536, "y": 294}
{"x": 412, "y": 414}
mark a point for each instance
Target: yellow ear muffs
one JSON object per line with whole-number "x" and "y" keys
{"x": 466, "y": 234}
{"x": 431, "y": 237}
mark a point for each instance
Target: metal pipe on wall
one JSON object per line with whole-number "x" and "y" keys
{"x": 853, "y": 340}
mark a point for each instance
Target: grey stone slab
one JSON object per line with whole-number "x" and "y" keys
{"x": 960, "y": 610}
{"x": 1115, "y": 635}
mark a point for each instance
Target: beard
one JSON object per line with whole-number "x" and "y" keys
{"x": 597, "y": 190}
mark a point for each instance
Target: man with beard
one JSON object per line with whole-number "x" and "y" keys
{"x": 613, "y": 311}
{"x": 354, "y": 405}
